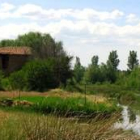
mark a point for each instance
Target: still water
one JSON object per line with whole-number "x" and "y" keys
{"x": 126, "y": 123}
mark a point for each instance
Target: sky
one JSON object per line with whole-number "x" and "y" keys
{"x": 86, "y": 27}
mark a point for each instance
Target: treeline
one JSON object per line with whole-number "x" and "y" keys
{"x": 108, "y": 72}
{"x": 50, "y": 67}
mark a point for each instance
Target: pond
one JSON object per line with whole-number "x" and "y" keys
{"x": 127, "y": 123}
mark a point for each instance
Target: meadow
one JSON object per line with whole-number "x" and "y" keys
{"x": 59, "y": 115}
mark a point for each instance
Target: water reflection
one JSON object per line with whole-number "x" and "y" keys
{"x": 126, "y": 122}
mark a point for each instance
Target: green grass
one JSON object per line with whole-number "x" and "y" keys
{"x": 58, "y": 104}
{"x": 71, "y": 106}
{"x": 34, "y": 99}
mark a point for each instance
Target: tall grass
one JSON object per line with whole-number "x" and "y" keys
{"x": 67, "y": 106}
{"x": 21, "y": 126}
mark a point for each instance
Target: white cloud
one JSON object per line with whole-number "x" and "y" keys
{"x": 132, "y": 18}
{"x": 85, "y": 32}
{"x": 6, "y": 7}
{"x": 36, "y": 12}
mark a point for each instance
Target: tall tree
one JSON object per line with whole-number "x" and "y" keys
{"x": 132, "y": 60}
{"x": 78, "y": 70}
{"x": 113, "y": 60}
{"x": 92, "y": 74}
{"x": 112, "y": 64}
{"x": 95, "y": 60}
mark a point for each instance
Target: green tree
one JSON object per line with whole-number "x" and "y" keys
{"x": 95, "y": 60}
{"x": 92, "y": 74}
{"x": 112, "y": 64}
{"x": 132, "y": 60}
{"x": 43, "y": 45}
{"x": 78, "y": 70}
{"x": 113, "y": 60}
{"x": 133, "y": 79}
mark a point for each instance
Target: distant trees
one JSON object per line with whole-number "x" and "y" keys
{"x": 78, "y": 71}
{"x": 132, "y": 60}
{"x": 50, "y": 65}
{"x": 104, "y": 72}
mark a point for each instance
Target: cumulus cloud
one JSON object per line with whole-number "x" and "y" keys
{"x": 85, "y": 32}
{"x": 132, "y": 18}
{"x": 6, "y": 7}
{"x": 36, "y": 12}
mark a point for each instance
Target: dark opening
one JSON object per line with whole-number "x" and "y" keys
{"x": 5, "y": 61}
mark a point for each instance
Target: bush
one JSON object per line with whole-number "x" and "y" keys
{"x": 39, "y": 75}
{"x": 17, "y": 80}
{"x": 35, "y": 75}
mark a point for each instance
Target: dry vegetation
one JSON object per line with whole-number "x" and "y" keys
{"x": 54, "y": 92}
{"x": 22, "y": 126}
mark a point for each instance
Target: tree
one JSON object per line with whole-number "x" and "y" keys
{"x": 112, "y": 64}
{"x": 92, "y": 74}
{"x": 43, "y": 45}
{"x": 78, "y": 70}
{"x": 132, "y": 60}
{"x": 95, "y": 60}
{"x": 113, "y": 60}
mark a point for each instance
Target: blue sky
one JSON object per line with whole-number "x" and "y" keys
{"x": 86, "y": 27}
{"x": 126, "y": 5}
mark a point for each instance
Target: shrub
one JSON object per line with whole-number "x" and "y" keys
{"x": 39, "y": 75}
{"x": 17, "y": 80}
{"x": 35, "y": 75}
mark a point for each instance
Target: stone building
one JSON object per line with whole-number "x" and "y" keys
{"x": 13, "y": 58}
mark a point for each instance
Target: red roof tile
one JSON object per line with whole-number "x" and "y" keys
{"x": 15, "y": 50}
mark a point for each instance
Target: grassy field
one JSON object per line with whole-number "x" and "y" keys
{"x": 59, "y": 115}
{"x": 61, "y": 103}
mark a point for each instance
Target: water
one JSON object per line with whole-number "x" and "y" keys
{"x": 126, "y": 122}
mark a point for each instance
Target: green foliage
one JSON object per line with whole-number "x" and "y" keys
{"x": 95, "y": 60}
{"x": 78, "y": 71}
{"x": 17, "y": 80}
{"x": 43, "y": 45}
{"x": 113, "y": 60}
{"x": 133, "y": 80}
{"x": 132, "y": 60}
{"x": 40, "y": 75}
{"x": 92, "y": 74}
{"x": 35, "y": 75}
{"x": 6, "y": 84}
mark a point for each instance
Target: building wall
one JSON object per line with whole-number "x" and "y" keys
{"x": 15, "y": 63}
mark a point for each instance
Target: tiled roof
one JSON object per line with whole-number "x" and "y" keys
{"x": 15, "y": 50}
